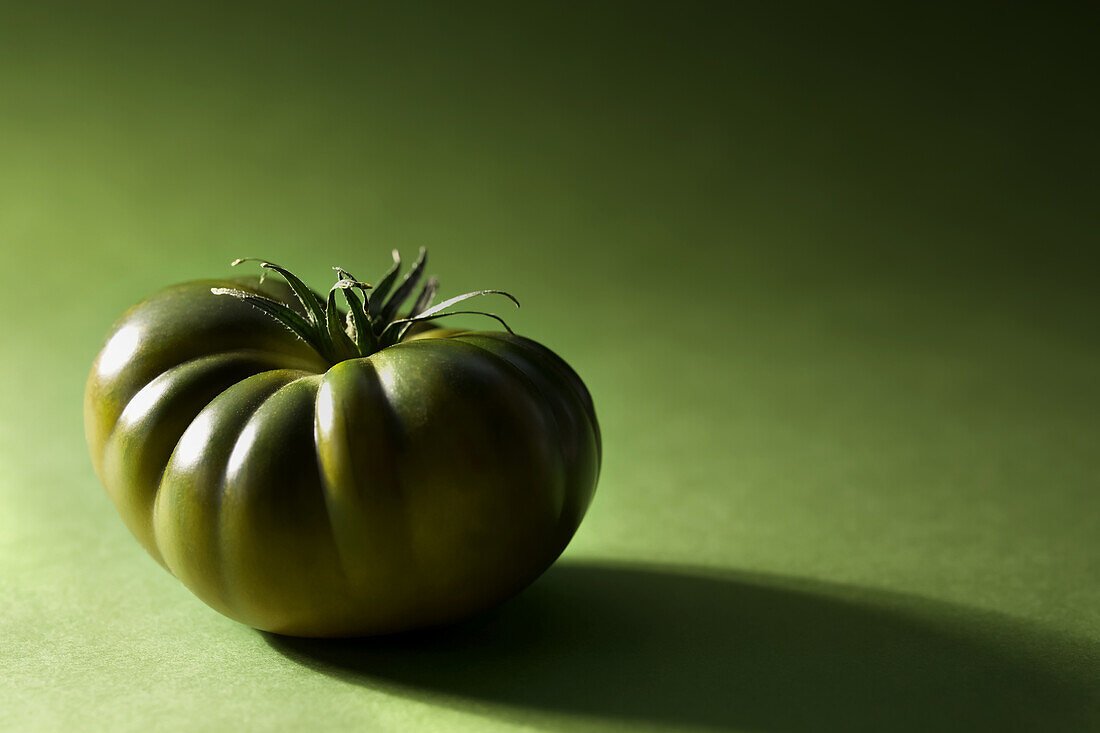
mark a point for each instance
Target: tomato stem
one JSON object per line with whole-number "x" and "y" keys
{"x": 372, "y": 322}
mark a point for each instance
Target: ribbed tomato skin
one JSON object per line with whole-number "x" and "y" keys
{"x": 409, "y": 488}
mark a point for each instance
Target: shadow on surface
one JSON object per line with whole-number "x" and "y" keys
{"x": 679, "y": 646}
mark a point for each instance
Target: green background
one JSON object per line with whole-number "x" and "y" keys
{"x": 829, "y": 274}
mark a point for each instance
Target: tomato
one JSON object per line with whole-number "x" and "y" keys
{"x": 315, "y": 473}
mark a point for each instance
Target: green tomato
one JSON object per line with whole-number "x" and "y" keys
{"x": 411, "y": 486}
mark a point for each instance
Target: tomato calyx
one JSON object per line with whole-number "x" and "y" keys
{"x": 373, "y": 320}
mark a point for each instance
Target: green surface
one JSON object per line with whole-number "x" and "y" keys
{"x": 829, "y": 274}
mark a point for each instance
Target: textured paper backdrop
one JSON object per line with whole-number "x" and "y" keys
{"x": 827, "y": 272}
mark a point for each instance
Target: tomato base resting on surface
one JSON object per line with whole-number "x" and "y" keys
{"x": 412, "y": 486}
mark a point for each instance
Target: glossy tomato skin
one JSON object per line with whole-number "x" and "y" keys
{"x": 410, "y": 488}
